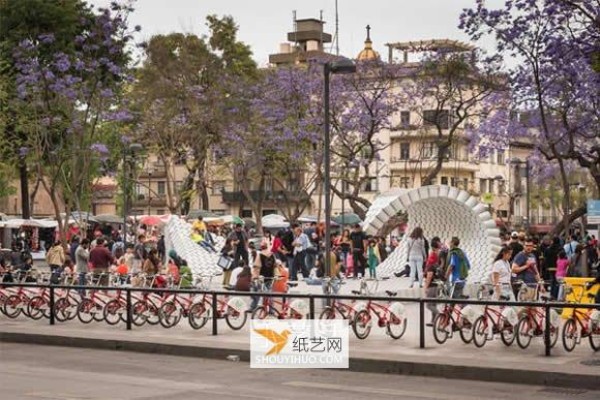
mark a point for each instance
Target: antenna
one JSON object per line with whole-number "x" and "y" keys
{"x": 337, "y": 30}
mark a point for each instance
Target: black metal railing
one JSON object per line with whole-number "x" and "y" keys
{"x": 215, "y": 294}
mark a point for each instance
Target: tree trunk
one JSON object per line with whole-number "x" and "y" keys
{"x": 568, "y": 219}
{"x": 24, "y": 180}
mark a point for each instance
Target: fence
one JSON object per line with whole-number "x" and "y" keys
{"x": 215, "y": 294}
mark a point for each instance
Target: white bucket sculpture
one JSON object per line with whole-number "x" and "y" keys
{"x": 442, "y": 211}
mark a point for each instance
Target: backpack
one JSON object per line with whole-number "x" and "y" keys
{"x": 267, "y": 266}
{"x": 463, "y": 263}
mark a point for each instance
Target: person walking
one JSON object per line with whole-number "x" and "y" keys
{"x": 82, "y": 258}
{"x": 100, "y": 260}
{"x": 458, "y": 268}
{"x": 227, "y": 251}
{"x": 55, "y": 259}
{"x": 359, "y": 249}
{"x": 433, "y": 273}
{"x": 373, "y": 258}
{"x": 501, "y": 274}
{"x": 416, "y": 256}
{"x": 239, "y": 242}
{"x": 525, "y": 266}
{"x": 515, "y": 246}
{"x": 300, "y": 243}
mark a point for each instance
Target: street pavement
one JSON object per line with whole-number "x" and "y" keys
{"x": 45, "y": 372}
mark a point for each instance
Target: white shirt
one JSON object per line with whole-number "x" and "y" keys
{"x": 502, "y": 267}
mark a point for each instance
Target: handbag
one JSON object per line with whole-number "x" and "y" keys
{"x": 225, "y": 262}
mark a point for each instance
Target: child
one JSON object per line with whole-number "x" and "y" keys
{"x": 562, "y": 267}
{"x": 372, "y": 258}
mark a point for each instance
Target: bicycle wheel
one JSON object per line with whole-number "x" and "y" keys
{"x": 523, "y": 332}
{"x": 139, "y": 311}
{"x": 85, "y": 311}
{"x": 327, "y": 313}
{"x": 37, "y": 307}
{"x": 152, "y": 313}
{"x": 396, "y": 326}
{"x": 554, "y": 330}
{"x": 62, "y": 310}
{"x": 169, "y": 315}
{"x": 595, "y": 336}
{"x": 507, "y": 334}
{"x": 235, "y": 319}
{"x": 12, "y": 306}
{"x": 480, "y": 329}
{"x": 198, "y": 316}
{"x": 441, "y": 323}
{"x": 570, "y": 335}
{"x": 466, "y": 331}
{"x": 260, "y": 312}
{"x": 362, "y": 324}
{"x": 112, "y": 312}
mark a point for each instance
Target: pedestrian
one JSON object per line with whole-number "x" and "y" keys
{"x": 416, "y": 256}
{"x": 277, "y": 248}
{"x": 525, "y": 266}
{"x": 433, "y": 273}
{"x": 243, "y": 280}
{"x": 139, "y": 252}
{"x": 55, "y": 259}
{"x": 227, "y": 251}
{"x": 100, "y": 260}
{"x": 152, "y": 263}
{"x": 458, "y": 268}
{"x": 501, "y": 274}
{"x": 264, "y": 266}
{"x": 82, "y": 257}
{"x": 381, "y": 245}
{"x": 562, "y": 267}
{"x": 515, "y": 246}
{"x": 73, "y": 246}
{"x": 300, "y": 243}
{"x": 359, "y": 249}
{"x": 373, "y": 258}
{"x": 571, "y": 246}
{"x": 239, "y": 242}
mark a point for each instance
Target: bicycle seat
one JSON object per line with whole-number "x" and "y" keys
{"x": 385, "y": 278}
{"x": 292, "y": 284}
{"x": 545, "y": 297}
{"x": 229, "y": 287}
{"x": 590, "y": 296}
{"x": 356, "y": 292}
{"x": 463, "y": 297}
{"x": 504, "y": 297}
{"x": 390, "y": 293}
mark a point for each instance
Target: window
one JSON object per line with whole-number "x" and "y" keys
{"x": 491, "y": 183}
{"x": 293, "y": 184}
{"x": 370, "y": 185}
{"x": 246, "y": 213}
{"x": 429, "y": 150}
{"x": 366, "y": 152}
{"x": 178, "y": 186}
{"x": 439, "y": 118}
{"x": 404, "y": 151}
{"x": 218, "y": 212}
{"x": 160, "y": 211}
{"x": 502, "y": 213}
{"x": 465, "y": 184}
{"x": 269, "y": 212}
{"x": 453, "y": 182}
{"x": 482, "y": 186}
{"x": 405, "y": 182}
{"x": 269, "y": 184}
{"x": 404, "y": 119}
{"x": 217, "y": 187}
{"x": 444, "y": 180}
{"x": 161, "y": 188}
{"x": 501, "y": 158}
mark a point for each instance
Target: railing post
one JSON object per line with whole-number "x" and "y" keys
{"x": 129, "y": 310}
{"x": 547, "y": 330}
{"x": 51, "y": 305}
{"x": 421, "y": 323}
{"x": 311, "y": 304}
{"x": 214, "y": 313}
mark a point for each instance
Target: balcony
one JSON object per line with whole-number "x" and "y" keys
{"x": 156, "y": 171}
{"x": 141, "y": 200}
{"x": 270, "y": 196}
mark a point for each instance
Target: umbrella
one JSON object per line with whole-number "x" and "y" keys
{"x": 347, "y": 219}
{"x": 274, "y": 221}
{"x": 109, "y": 219}
{"x": 193, "y": 214}
{"x": 237, "y": 220}
{"x": 307, "y": 219}
{"x": 81, "y": 216}
{"x": 151, "y": 220}
{"x": 249, "y": 223}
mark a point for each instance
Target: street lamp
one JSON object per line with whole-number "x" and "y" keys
{"x": 341, "y": 66}
{"x": 516, "y": 161}
{"x": 130, "y": 150}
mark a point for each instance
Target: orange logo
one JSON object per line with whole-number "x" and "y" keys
{"x": 279, "y": 340}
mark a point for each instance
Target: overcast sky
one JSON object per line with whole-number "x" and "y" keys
{"x": 263, "y": 24}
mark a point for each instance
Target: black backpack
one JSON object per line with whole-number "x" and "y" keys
{"x": 267, "y": 266}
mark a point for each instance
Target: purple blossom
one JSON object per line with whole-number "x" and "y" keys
{"x": 99, "y": 148}
{"x": 46, "y": 38}
{"x": 23, "y": 151}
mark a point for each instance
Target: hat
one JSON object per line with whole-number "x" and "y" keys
{"x": 514, "y": 234}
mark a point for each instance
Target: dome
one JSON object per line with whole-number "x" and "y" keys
{"x": 368, "y": 53}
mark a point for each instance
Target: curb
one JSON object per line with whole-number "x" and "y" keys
{"x": 393, "y": 367}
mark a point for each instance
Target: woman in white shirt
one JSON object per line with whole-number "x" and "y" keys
{"x": 416, "y": 256}
{"x": 501, "y": 274}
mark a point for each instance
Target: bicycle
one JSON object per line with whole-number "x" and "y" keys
{"x": 390, "y": 315}
{"x": 581, "y": 324}
{"x": 296, "y": 309}
{"x": 451, "y": 318}
{"x": 532, "y": 323}
{"x": 338, "y": 307}
{"x": 499, "y": 320}
{"x": 233, "y": 310}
